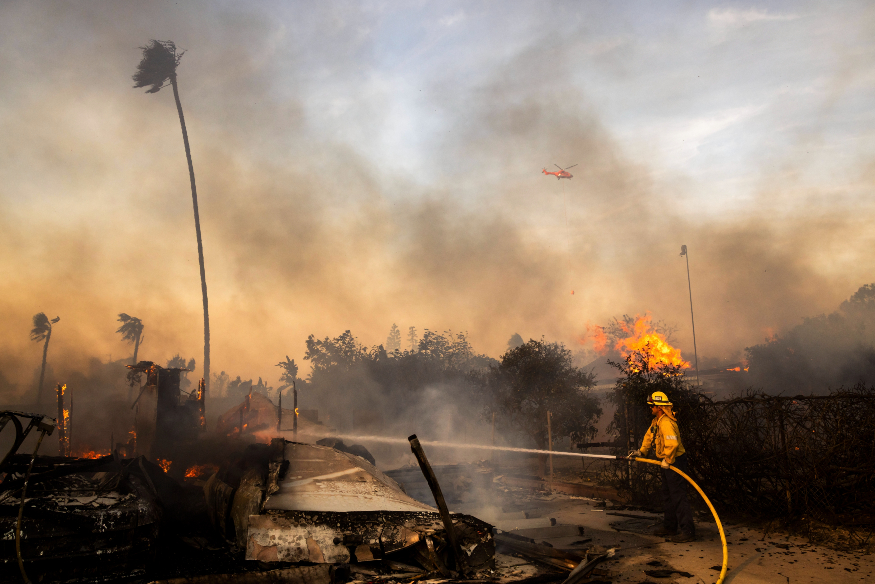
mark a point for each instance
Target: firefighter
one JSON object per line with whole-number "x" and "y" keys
{"x": 665, "y": 437}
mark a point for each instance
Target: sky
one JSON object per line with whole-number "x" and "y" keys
{"x": 361, "y": 164}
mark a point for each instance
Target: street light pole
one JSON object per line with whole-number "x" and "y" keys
{"x": 690, "y": 286}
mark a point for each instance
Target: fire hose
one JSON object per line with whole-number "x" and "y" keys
{"x": 707, "y": 502}
{"x": 695, "y": 486}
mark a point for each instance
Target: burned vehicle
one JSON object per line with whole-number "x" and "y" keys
{"x": 296, "y": 502}
{"x": 66, "y": 519}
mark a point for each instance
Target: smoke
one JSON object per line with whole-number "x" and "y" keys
{"x": 334, "y": 195}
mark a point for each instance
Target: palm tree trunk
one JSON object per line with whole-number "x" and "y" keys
{"x": 197, "y": 228}
{"x": 42, "y": 373}
{"x": 136, "y": 348}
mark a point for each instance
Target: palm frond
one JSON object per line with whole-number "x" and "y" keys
{"x": 158, "y": 64}
{"x": 41, "y": 327}
{"x": 131, "y": 327}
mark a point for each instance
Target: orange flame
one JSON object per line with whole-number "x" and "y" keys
{"x": 91, "y": 454}
{"x": 165, "y": 464}
{"x": 598, "y": 337}
{"x": 200, "y": 470}
{"x": 64, "y": 435}
{"x": 643, "y": 338}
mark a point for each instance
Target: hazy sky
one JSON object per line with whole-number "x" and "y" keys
{"x": 364, "y": 163}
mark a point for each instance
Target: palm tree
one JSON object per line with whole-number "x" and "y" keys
{"x": 290, "y": 372}
{"x": 131, "y": 331}
{"x": 42, "y": 330}
{"x": 157, "y": 67}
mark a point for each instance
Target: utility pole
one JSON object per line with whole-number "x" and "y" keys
{"x": 690, "y": 286}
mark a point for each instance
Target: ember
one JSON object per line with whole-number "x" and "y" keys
{"x": 91, "y": 454}
{"x": 199, "y": 470}
{"x": 165, "y": 464}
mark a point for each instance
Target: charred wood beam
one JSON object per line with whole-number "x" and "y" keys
{"x": 432, "y": 481}
{"x": 536, "y": 552}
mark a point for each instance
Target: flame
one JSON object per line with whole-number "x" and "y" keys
{"x": 64, "y": 435}
{"x": 91, "y": 454}
{"x": 63, "y": 423}
{"x": 165, "y": 464}
{"x": 598, "y": 337}
{"x": 643, "y": 338}
{"x": 296, "y": 411}
{"x": 734, "y": 369}
{"x": 199, "y": 470}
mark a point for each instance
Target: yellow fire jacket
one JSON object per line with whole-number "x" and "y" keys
{"x": 664, "y": 435}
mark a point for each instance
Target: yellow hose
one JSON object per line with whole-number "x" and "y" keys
{"x": 710, "y": 506}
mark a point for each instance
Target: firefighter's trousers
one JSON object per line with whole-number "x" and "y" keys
{"x": 678, "y": 515}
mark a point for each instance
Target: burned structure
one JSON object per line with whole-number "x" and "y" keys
{"x": 66, "y": 519}
{"x": 295, "y": 502}
{"x": 324, "y": 508}
{"x": 168, "y": 420}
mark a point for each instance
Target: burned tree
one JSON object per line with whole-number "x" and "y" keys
{"x": 157, "y": 67}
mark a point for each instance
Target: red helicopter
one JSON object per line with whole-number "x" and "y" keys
{"x": 561, "y": 173}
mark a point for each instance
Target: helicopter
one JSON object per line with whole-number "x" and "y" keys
{"x": 561, "y": 173}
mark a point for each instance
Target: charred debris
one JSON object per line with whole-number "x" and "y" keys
{"x": 173, "y": 504}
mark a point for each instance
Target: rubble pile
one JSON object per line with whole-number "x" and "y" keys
{"x": 175, "y": 504}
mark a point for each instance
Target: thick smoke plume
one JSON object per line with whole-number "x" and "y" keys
{"x": 319, "y": 216}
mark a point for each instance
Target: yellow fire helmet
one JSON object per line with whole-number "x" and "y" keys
{"x": 657, "y": 398}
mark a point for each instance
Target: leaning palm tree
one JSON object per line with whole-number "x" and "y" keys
{"x": 42, "y": 330}
{"x": 131, "y": 331}
{"x": 157, "y": 67}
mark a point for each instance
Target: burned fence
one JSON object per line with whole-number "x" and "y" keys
{"x": 799, "y": 458}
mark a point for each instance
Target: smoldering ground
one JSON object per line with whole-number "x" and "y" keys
{"x": 315, "y": 223}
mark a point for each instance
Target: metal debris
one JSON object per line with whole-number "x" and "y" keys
{"x": 295, "y": 502}
{"x": 83, "y": 520}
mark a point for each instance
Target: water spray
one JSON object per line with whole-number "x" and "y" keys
{"x": 461, "y": 445}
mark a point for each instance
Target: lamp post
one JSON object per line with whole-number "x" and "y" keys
{"x": 690, "y": 286}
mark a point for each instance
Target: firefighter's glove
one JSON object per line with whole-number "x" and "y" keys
{"x": 664, "y": 463}
{"x": 634, "y": 454}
